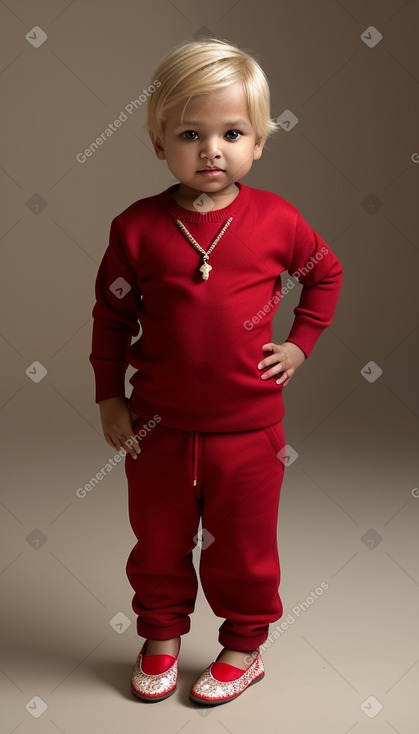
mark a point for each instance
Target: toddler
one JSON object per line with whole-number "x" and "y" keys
{"x": 198, "y": 269}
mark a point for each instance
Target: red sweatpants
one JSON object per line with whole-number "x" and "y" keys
{"x": 233, "y": 480}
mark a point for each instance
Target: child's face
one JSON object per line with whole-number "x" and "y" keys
{"x": 215, "y": 132}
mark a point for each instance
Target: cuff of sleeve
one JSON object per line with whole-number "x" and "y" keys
{"x": 304, "y": 337}
{"x": 109, "y": 381}
{"x": 107, "y": 394}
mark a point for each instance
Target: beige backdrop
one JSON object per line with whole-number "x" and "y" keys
{"x": 349, "y": 71}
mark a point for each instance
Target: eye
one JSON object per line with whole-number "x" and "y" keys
{"x": 233, "y": 135}
{"x": 188, "y": 134}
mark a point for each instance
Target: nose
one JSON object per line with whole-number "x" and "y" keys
{"x": 210, "y": 148}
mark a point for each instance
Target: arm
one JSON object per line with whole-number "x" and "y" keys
{"x": 115, "y": 322}
{"x": 320, "y": 272}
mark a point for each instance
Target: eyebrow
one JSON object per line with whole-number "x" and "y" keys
{"x": 232, "y": 123}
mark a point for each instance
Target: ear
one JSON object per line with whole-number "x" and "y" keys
{"x": 257, "y": 152}
{"x": 158, "y": 147}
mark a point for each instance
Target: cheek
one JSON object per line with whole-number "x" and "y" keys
{"x": 243, "y": 152}
{"x": 180, "y": 155}
{"x": 244, "y": 161}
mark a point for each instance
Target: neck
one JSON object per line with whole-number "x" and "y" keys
{"x": 185, "y": 196}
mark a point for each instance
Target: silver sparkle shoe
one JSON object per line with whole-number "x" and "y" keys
{"x": 160, "y": 682}
{"x": 209, "y": 690}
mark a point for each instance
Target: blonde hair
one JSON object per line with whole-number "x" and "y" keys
{"x": 201, "y": 67}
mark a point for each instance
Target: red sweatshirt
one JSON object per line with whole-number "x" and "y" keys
{"x": 201, "y": 340}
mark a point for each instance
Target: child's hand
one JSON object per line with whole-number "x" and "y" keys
{"x": 284, "y": 360}
{"x": 116, "y": 425}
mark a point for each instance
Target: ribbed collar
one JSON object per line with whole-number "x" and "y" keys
{"x": 220, "y": 215}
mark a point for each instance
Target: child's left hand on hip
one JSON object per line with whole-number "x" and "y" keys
{"x": 283, "y": 361}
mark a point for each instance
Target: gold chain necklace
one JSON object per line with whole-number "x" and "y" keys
{"x": 205, "y": 267}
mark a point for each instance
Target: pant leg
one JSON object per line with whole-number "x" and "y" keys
{"x": 164, "y": 513}
{"x": 240, "y": 478}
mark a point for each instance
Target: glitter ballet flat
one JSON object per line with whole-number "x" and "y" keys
{"x": 154, "y": 677}
{"x": 221, "y": 682}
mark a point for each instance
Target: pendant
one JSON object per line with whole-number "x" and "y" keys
{"x": 205, "y": 270}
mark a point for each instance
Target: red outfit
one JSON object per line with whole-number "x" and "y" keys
{"x": 238, "y": 482}
{"x": 214, "y": 451}
{"x": 198, "y": 354}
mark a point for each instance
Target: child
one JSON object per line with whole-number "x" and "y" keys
{"x": 199, "y": 266}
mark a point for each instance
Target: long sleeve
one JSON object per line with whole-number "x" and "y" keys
{"x": 320, "y": 272}
{"x": 115, "y": 318}
{"x": 195, "y": 363}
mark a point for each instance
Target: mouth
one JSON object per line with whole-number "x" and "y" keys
{"x": 211, "y": 171}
